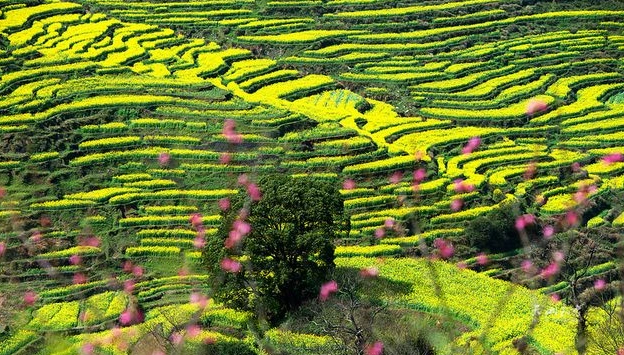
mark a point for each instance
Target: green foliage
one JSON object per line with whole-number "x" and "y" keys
{"x": 288, "y": 253}
{"x": 494, "y": 232}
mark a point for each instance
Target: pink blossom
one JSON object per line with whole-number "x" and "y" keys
{"x": 2, "y": 248}
{"x": 558, "y": 256}
{"x": 457, "y": 204}
{"x": 243, "y": 179}
{"x": 375, "y": 349}
{"x": 579, "y": 197}
{"x": 92, "y": 241}
{"x": 576, "y": 167}
{"x": 462, "y": 265}
{"x": 224, "y": 204}
{"x": 254, "y": 192}
{"x": 555, "y": 297}
{"x": 225, "y": 158}
{"x": 79, "y": 278}
{"x": 164, "y": 158}
{"x": 600, "y": 284}
{"x": 472, "y": 145}
{"x": 137, "y": 271}
{"x": 201, "y": 232}
{"x": 125, "y": 317}
{"x": 520, "y": 223}
{"x": 176, "y": 338}
{"x": 612, "y": 158}
{"x": 348, "y": 184}
{"x": 196, "y": 219}
{"x": 549, "y": 271}
{"x": 369, "y": 272}
{"x": 229, "y": 131}
{"x": 389, "y": 223}
{"x": 482, "y": 259}
{"x": 75, "y": 259}
{"x": 183, "y": 271}
{"x": 199, "y": 242}
{"x": 129, "y": 286}
{"x": 525, "y": 220}
{"x": 193, "y": 330}
{"x": 460, "y": 186}
{"x": 327, "y": 289}
{"x": 230, "y": 265}
{"x": 199, "y": 300}
{"x": 87, "y": 349}
{"x": 30, "y": 298}
{"x": 445, "y": 249}
{"x": 234, "y": 237}
{"x": 571, "y": 218}
{"x": 36, "y": 236}
{"x": 548, "y": 232}
{"x": 420, "y": 175}
{"x": 3, "y": 192}
{"x": 535, "y": 105}
{"x": 241, "y": 226}
{"x": 620, "y": 351}
{"x": 379, "y": 233}
{"x": 127, "y": 266}
{"x": 396, "y": 177}
{"x": 527, "y": 266}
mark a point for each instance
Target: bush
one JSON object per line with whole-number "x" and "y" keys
{"x": 495, "y": 232}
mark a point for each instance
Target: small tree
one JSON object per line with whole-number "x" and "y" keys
{"x": 285, "y": 255}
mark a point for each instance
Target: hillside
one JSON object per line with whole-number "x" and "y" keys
{"x": 430, "y": 115}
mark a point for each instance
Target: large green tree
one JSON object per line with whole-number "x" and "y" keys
{"x": 285, "y": 255}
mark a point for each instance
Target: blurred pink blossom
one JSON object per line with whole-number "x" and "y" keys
{"x": 164, "y": 158}
{"x": 87, "y": 349}
{"x": 125, "y": 317}
{"x": 535, "y": 105}
{"x": 2, "y": 248}
{"x": 527, "y": 267}
{"x": 530, "y": 171}
{"x": 389, "y": 223}
{"x": 482, "y": 259}
{"x": 576, "y": 167}
{"x": 348, "y": 184}
{"x": 75, "y": 259}
{"x": 472, "y": 145}
{"x": 91, "y": 241}
{"x": 555, "y": 297}
{"x": 176, "y": 338}
{"x": 600, "y": 284}
{"x": 379, "y": 233}
{"x": 571, "y": 218}
{"x": 193, "y": 330}
{"x": 229, "y": 265}
{"x": 137, "y": 271}
{"x": 254, "y": 192}
{"x": 460, "y": 186}
{"x": 327, "y": 289}
{"x": 196, "y": 219}
{"x": 420, "y": 175}
{"x": 79, "y": 278}
{"x": 612, "y": 158}
{"x": 369, "y": 272}
{"x": 375, "y": 349}
{"x": 548, "y": 232}
{"x": 224, "y": 204}
{"x": 225, "y": 158}
{"x": 3, "y": 192}
{"x": 549, "y": 271}
{"x": 243, "y": 179}
{"x": 558, "y": 256}
{"x": 396, "y": 177}
{"x": 457, "y": 204}
{"x": 128, "y": 286}
{"x": 445, "y": 249}
{"x": 30, "y": 298}
{"x": 36, "y": 236}
{"x": 199, "y": 242}
{"x": 199, "y": 300}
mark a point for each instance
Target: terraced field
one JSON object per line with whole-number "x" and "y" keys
{"x": 431, "y": 113}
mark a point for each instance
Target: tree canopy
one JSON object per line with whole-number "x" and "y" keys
{"x": 287, "y": 249}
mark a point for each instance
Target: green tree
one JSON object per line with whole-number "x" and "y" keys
{"x": 287, "y": 253}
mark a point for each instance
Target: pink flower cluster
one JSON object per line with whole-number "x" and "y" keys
{"x": 327, "y": 289}
{"x": 472, "y": 145}
{"x": 460, "y": 186}
{"x": 444, "y": 249}
{"x": 374, "y": 349}
{"x": 229, "y": 131}
{"x": 535, "y": 106}
{"x": 525, "y": 220}
{"x": 229, "y": 265}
